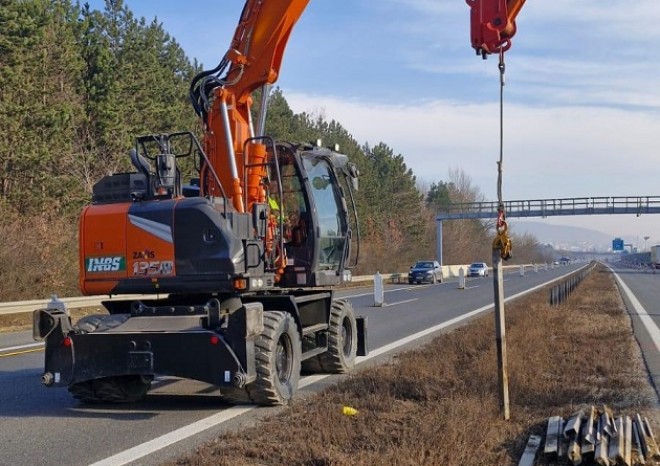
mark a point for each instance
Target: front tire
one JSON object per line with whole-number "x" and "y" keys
{"x": 277, "y": 353}
{"x": 342, "y": 342}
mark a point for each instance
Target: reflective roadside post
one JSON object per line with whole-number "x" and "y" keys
{"x": 379, "y": 292}
{"x": 522, "y": 270}
{"x": 461, "y": 279}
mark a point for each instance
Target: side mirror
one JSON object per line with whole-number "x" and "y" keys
{"x": 320, "y": 183}
{"x": 354, "y": 173}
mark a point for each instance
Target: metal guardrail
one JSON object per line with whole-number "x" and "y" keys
{"x": 560, "y": 292}
{"x": 19, "y": 307}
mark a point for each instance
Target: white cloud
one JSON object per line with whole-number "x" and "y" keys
{"x": 549, "y": 152}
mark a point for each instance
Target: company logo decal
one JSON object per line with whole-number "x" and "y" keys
{"x": 105, "y": 264}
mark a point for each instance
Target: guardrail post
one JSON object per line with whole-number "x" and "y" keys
{"x": 379, "y": 292}
{"x": 461, "y": 279}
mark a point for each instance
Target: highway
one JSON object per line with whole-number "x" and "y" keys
{"x": 41, "y": 426}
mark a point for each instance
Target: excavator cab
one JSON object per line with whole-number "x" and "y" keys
{"x": 146, "y": 233}
{"x": 317, "y": 187}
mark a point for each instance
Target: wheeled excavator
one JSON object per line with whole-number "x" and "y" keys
{"x": 221, "y": 287}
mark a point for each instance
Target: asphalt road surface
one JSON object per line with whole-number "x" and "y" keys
{"x": 41, "y": 426}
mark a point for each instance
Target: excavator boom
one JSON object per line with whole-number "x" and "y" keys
{"x": 224, "y": 101}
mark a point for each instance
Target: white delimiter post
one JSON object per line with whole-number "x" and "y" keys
{"x": 379, "y": 291}
{"x": 503, "y": 375}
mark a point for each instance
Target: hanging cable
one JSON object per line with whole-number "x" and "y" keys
{"x": 502, "y": 240}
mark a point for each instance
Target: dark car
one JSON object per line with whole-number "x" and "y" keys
{"x": 478, "y": 269}
{"x": 425, "y": 271}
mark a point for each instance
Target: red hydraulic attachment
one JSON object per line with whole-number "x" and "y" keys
{"x": 493, "y": 24}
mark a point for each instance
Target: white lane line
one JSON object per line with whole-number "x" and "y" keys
{"x": 163, "y": 441}
{"x": 21, "y": 347}
{"x": 140, "y": 451}
{"x": 644, "y": 316}
{"x": 418, "y": 287}
{"x": 400, "y": 302}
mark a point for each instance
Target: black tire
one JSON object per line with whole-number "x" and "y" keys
{"x": 342, "y": 342}
{"x": 118, "y": 389}
{"x": 277, "y": 353}
{"x": 410, "y": 282}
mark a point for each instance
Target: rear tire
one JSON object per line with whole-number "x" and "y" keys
{"x": 277, "y": 353}
{"x": 118, "y": 389}
{"x": 342, "y": 342}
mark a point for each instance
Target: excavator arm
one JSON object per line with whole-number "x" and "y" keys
{"x": 222, "y": 98}
{"x": 493, "y": 24}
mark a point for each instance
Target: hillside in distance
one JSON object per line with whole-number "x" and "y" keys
{"x": 565, "y": 237}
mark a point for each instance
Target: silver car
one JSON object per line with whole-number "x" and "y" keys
{"x": 478, "y": 269}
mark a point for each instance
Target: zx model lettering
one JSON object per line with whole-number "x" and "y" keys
{"x": 146, "y": 254}
{"x": 105, "y": 264}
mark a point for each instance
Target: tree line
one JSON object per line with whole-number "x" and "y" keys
{"x": 78, "y": 85}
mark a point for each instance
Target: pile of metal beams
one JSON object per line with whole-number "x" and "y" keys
{"x": 594, "y": 436}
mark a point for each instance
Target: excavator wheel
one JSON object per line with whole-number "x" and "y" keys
{"x": 277, "y": 353}
{"x": 342, "y": 342}
{"x": 118, "y": 389}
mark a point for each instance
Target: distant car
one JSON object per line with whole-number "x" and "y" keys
{"x": 478, "y": 269}
{"x": 425, "y": 271}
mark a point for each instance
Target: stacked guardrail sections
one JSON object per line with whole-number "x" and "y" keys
{"x": 594, "y": 436}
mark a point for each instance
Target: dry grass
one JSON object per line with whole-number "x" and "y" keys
{"x": 438, "y": 405}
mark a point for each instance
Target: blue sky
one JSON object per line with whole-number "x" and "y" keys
{"x": 582, "y": 94}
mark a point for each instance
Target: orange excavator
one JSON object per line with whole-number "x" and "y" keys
{"x": 229, "y": 277}
{"x": 238, "y": 265}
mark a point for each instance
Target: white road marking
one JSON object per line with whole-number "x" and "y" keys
{"x": 21, "y": 347}
{"x": 644, "y": 316}
{"x": 400, "y": 302}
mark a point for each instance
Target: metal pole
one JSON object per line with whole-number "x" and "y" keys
{"x": 502, "y": 372}
{"x": 438, "y": 241}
